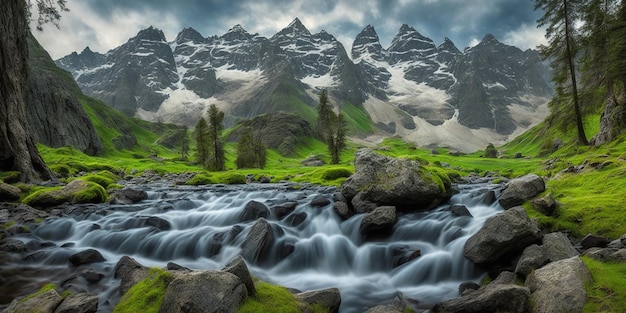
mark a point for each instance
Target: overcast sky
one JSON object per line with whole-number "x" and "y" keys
{"x": 105, "y": 24}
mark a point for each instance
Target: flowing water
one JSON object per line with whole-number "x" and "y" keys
{"x": 203, "y": 230}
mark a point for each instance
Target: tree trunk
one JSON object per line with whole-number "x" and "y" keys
{"x": 17, "y": 147}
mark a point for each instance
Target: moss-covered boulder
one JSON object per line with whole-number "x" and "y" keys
{"x": 9, "y": 192}
{"x": 380, "y": 180}
{"x": 77, "y": 191}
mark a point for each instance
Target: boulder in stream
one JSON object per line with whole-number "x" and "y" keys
{"x": 86, "y": 257}
{"x": 253, "y": 211}
{"x": 521, "y": 189}
{"x": 44, "y": 302}
{"x": 78, "y": 303}
{"x": 384, "y": 180}
{"x": 258, "y": 242}
{"x": 239, "y": 268}
{"x": 379, "y": 222}
{"x": 329, "y": 298}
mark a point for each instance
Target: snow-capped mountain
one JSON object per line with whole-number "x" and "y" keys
{"x": 434, "y": 95}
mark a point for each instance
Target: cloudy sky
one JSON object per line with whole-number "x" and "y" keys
{"x": 105, "y": 24}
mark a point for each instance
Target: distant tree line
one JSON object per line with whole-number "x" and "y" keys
{"x": 587, "y": 51}
{"x": 331, "y": 127}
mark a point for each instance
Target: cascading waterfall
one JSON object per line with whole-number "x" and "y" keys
{"x": 202, "y": 228}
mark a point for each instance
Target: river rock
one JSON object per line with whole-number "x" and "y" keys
{"x": 78, "y": 303}
{"x": 204, "y": 292}
{"x": 44, "y": 302}
{"x": 607, "y": 254}
{"x": 546, "y": 205}
{"x": 379, "y": 222}
{"x": 559, "y": 286}
{"x": 296, "y": 219}
{"x": 320, "y": 201}
{"x": 91, "y": 275}
{"x": 404, "y": 254}
{"x": 76, "y": 191}
{"x": 532, "y": 258}
{"x": 258, "y": 242}
{"x": 396, "y": 305}
{"x": 558, "y": 247}
{"x": 284, "y": 209}
{"x": 9, "y": 192}
{"x": 253, "y": 211}
{"x": 158, "y": 223}
{"x": 12, "y": 245}
{"x": 128, "y": 196}
{"x": 329, "y": 299}
{"x": 521, "y": 189}
{"x": 86, "y": 257}
{"x": 508, "y": 232}
{"x": 239, "y": 268}
{"x": 501, "y": 295}
{"x": 403, "y": 183}
{"x": 591, "y": 241}
{"x": 342, "y": 209}
{"x": 130, "y": 272}
{"x": 460, "y": 210}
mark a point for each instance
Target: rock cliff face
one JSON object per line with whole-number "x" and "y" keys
{"x": 433, "y": 95}
{"x": 55, "y": 114}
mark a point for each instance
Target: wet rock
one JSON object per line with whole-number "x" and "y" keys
{"x": 253, "y": 211}
{"x": 78, "y": 303}
{"x": 128, "y": 196}
{"x": 44, "y": 302}
{"x": 470, "y": 285}
{"x": 591, "y": 241}
{"x": 396, "y": 305}
{"x": 546, "y": 205}
{"x": 508, "y": 232}
{"x": 12, "y": 245}
{"x": 296, "y": 219}
{"x": 498, "y": 296}
{"x": 171, "y": 266}
{"x": 329, "y": 299}
{"x": 460, "y": 210}
{"x": 532, "y": 258}
{"x": 76, "y": 191}
{"x": 521, "y": 189}
{"x": 607, "y": 254}
{"x": 320, "y": 201}
{"x": 204, "y": 292}
{"x": 489, "y": 197}
{"x": 258, "y": 242}
{"x": 387, "y": 181}
{"x": 9, "y": 192}
{"x": 158, "y": 223}
{"x": 91, "y": 275}
{"x": 379, "y": 222}
{"x": 284, "y": 209}
{"x": 130, "y": 272}
{"x": 404, "y": 254}
{"x": 559, "y": 286}
{"x": 342, "y": 209}
{"x": 239, "y": 268}
{"x": 86, "y": 257}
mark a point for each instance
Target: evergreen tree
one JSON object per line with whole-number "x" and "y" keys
{"x": 336, "y": 136}
{"x": 201, "y": 134}
{"x": 184, "y": 146}
{"x": 560, "y": 16}
{"x": 251, "y": 152}
{"x": 216, "y": 160}
{"x": 324, "y": 113}
{"x": 260, "y": 151}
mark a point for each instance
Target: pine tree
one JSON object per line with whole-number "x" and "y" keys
{"x": 560, "y": 16}
{"x": 336, "y": 137}
{"x": 201, "y": 134}
{"x": 216, "y": 161}
{"x": 324, "y": 113}
{"x": 184, "y": 146}
{"x": 251, "y": 152}
{"x": 260, "y": 151}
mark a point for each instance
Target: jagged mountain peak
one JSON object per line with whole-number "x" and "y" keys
{"x": 150, "y": 33}
{"x": 489, "y": 38}
{"x": 367, "y": 43}
{"x": 189, "y": 34}
{"x": 237, "y": 33}
{"x": 294, "y": 28}
{"x": 448, "y": 46}
{"x": 408, "y": 34}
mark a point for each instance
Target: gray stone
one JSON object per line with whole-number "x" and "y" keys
{"x": 460, "y": 210}
{"x": 12, "y": 245}
{"x": 9, "y": 192}
{"x": 501, "y": 295}
{"x": 130, "y": 272}
{"x": 204, "y": 292}
{"x": 508, "y": 232}
{"x": 342, "y": 209}
{"x": 128, "y": 196}
{"x": 253, "y": 211}
{"x": 296, "y": 219}
{"x": 91, "y": 275}
{"x": 284, "y": 209}
{"x": 257, "y": 242}
{"x": 591, "y": 241}
{"x": 546, "y": 205}
{"x": 320, "y": 201}
{"x": 521, "y": 189}
{"x": 607, "y": 254}
{"x": 86, "y": 256}
{"x": 327, "y": 298}
{"x": 532, "y": 258}
{"x": 239, "y": 268}
{"x": 559, "y": 286}
{"x": 558, "y": 247}
{"x": 158, "y": 223}
{"x": 379, "y": 222}
{"x": 403, "y": 183}
{"x": 44, "y": 302}
{"x": 78, "y": 303}
{"x": 396, "y": 305}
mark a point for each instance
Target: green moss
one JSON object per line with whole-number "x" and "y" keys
{"x": 46, "y": 196}
{"x": 334, "y": 173}
{"x": 43, "y": 289}
{"x": 200, "y": 179}
{"x": 10, "y": 177}
{"x": 98, "y": 179}
{"x": 607, "y": 292}
{"x": 94, "y": 193}
{"x": 147, "y": 295}
{"x": 230, "y": 178}
{"x": 271, "y": 298}
{"x": 9, "y": 224}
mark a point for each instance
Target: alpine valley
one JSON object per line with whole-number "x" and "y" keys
{"x": 432, "y": 95}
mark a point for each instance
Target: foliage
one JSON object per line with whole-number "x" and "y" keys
{"x": 216, "y": 160}
{"x": 251, "y": 152}
{"x": 331, "y": 128}
{"x": 44, "y": 289}
{"x": 147, "y": 295}
{"x": 324, "y": 111}
{"x": 334, "y": 173}
{"x": 103, "y": 178}
{"x": 48, "y": 11}
{"x": 491, "y": 151}
{"x": 607, "y": 293}
{"x": 201, "y": 134}
{"x": 200, "y": 179}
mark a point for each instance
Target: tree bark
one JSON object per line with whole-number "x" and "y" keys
{"x": 18, "y": 150}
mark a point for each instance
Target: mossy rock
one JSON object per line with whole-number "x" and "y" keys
{"x": 102, "y": 178}
{"x": 200, "y": 179}
{"x": 147, "y": 295}
{"x": 10, "y": 177}
{"x": 77, "y": 191}
{"x": 334, "y": 173}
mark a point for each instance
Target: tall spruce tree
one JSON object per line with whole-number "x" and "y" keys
{"x": 324, "y": 113}
{"x": 336, "y": 137}
{"x": 560, "y": 17}
{"x": 251, "y": 152}
{"x": 217, "y": 160}
{"x": 201, "y": 134}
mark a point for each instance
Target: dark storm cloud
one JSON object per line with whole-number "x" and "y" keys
{"x": 104, "y": 24}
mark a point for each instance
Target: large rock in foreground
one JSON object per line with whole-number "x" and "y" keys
{"x": 76, "y": 191}
{"x": 559, "y": 286}
{"x": 521, "y": 189}
{"x": 381, "y": 180}
{"x": 508, "y": 232}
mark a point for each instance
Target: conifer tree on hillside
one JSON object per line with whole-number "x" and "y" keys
{"x": 251, "y": 152}
{"x": 324, "y": 112}
{"x": 201, "y": 134}
{"x": 331, "y": 128}
{"x": 216, "y": 159}
{"x": 559, "y": 17}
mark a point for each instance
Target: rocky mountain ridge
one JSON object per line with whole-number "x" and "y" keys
{"x": 433, "y": 95}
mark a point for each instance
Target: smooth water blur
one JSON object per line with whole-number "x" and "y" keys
{"x": 201, "y": 228}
